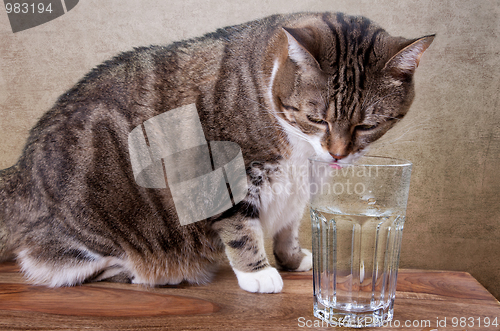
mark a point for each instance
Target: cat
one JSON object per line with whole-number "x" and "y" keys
{"x": 283, "y": 88}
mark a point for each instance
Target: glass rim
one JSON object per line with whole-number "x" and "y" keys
{"x": 397, "y": 162}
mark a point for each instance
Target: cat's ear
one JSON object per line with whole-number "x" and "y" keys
{"x": 303, "y": 46}
{"x": 406, "y": 61}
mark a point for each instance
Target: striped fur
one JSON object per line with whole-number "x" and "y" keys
{"x": 284, "y": 88}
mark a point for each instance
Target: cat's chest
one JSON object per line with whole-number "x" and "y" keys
{"x": 285, "y": 197}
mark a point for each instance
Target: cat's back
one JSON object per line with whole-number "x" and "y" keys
{"x": 224, "y": 71}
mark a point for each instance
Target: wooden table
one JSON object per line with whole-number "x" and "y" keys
{"x": 423, "y": 299}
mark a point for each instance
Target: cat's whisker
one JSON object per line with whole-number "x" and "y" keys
{"x": 368, "y": 101}
{"x": 366, "y": 97}
{"x": 411, "y": 128}
{"x": 297, "y": 133}
{"x": 411, "y": 125}
{"x": 264, "y": 108}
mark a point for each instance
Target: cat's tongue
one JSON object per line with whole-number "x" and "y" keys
{"x": 335, "y": 165}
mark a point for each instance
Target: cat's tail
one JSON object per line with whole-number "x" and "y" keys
{"x": 5, "y": 251}
{"x": 3, "y": 242}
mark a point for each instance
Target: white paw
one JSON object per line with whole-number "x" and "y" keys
{"x": 307, "y": 260}
{"x": 267, "y": 280}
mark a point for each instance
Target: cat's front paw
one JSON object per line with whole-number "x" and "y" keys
{"x": 306, "y": 263}
{"x": 267, "y": 280}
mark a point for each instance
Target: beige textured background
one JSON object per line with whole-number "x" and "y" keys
{"x": 452, "y": 133}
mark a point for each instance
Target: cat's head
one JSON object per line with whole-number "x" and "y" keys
{"x": 342, "y": 82}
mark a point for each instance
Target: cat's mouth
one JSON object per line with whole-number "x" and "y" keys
{"x": 338, "y": 163}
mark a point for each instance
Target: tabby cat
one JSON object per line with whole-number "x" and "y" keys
{"x": 283, "y": 88}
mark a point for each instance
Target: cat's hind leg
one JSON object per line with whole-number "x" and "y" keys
{"x": 72, "y": 267}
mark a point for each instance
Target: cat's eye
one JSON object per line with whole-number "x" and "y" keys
{"x": 316, "y": 120}
{"x": 366, "y": 127}
{"x": 290, "y": 108}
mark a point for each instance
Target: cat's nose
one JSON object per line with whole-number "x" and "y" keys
{"x": 338, "y": 156}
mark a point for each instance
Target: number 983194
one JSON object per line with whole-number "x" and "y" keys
{"x": 27, "y": 8}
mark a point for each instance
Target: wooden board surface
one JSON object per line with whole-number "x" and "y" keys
{"x": 430, "y": 299}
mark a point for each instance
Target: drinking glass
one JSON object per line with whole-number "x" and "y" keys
{"x": 357, "y": 214}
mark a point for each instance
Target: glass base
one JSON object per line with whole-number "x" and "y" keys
{"x": 334, "y": 317}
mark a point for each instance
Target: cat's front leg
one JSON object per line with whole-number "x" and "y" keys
{"x": 244, "y": 244}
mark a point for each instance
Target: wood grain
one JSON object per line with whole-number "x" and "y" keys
{"x": 94, "y": 301}
{"x": 443, "y": 283}
{"x": 422, "y": 296}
